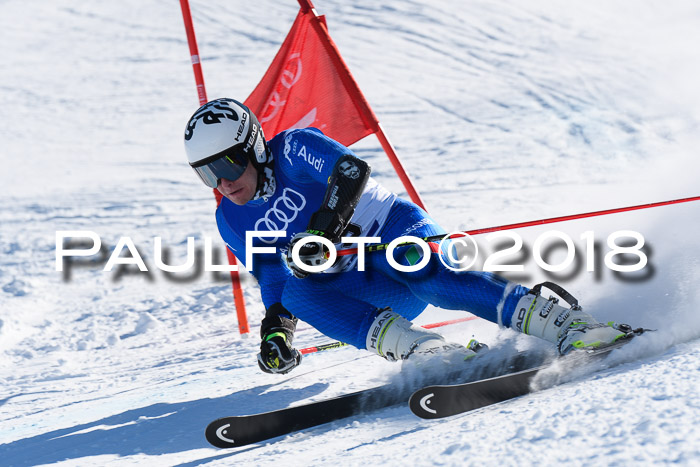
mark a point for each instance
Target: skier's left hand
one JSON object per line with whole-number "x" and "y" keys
{"x": 311, "y": 254}
{"x": 277, "y": 354}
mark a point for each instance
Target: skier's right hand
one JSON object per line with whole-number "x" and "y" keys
{"x": 311, "y": 254}
{"x": 277, "y": 355}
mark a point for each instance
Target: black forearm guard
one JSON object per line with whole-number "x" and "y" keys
{"x": 345, "y": 186}
{"x": 278, "y": 319}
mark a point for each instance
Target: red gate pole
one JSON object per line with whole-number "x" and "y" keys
{"x": 359, "y": 98}
{"x": 238, "y": 298}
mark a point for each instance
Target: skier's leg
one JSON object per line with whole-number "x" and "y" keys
{"x": 487, "y": 295}
{"x": 320, "y": 301}
{"x": 336, "y": 315}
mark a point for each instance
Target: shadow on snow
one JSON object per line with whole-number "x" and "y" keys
{"x": 154, "y": 430}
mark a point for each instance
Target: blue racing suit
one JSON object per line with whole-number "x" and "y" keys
{"x": 342, "y": 302}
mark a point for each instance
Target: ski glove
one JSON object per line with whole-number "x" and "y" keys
{"x": 277, "y": 332}
{"x": 311, "y": 254}
{"x": 277, "y": 355}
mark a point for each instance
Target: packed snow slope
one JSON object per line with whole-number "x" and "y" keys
{"x": 502, "y": 111}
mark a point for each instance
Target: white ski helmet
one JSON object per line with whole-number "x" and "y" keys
{"x": 221, "y": 138}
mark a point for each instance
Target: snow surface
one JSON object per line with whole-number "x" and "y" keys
{"x": 502, "y": 111}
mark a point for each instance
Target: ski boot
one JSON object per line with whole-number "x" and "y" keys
{"x": 395, "y": 338}
{"x": 569, "y": 328}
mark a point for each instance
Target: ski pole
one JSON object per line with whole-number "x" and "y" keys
{"x": 384, "y": 246}
{"x": 321, "y": 348}
{"x": 338, "y": 344}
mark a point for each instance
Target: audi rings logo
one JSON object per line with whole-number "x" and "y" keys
{"x": 283, "y": 211}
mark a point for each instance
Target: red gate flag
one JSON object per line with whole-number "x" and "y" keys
{"x": 303, "y": 87}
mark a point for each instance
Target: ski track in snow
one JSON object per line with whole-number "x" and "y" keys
{"x": 501, "y": 111}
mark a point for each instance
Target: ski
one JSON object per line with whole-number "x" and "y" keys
{"x": 241, "y": 430}
{"x": 488, "y": 385}
{"x": 439, "y": 401}
{"x": 230, "y": 432}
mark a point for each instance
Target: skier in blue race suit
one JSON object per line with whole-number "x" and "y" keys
{"x": 310, "y": 186}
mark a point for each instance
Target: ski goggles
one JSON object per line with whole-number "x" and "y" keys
{"x": 229, "y": 164}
